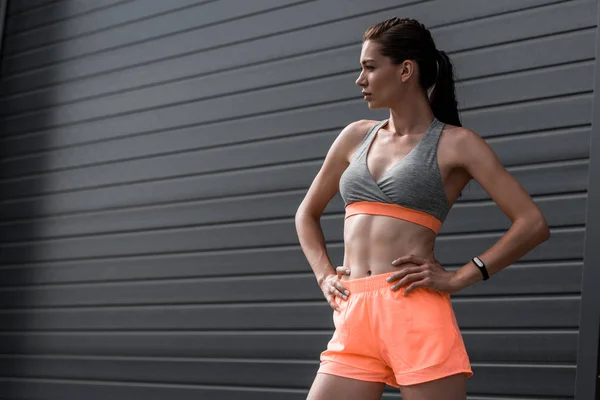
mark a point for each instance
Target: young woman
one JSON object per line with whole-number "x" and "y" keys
{"x": 399, "y": 178}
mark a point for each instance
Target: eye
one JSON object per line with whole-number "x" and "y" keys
{"x": 369, "y": 68}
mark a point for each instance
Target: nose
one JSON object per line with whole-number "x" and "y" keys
{"x": 361, "y": 80}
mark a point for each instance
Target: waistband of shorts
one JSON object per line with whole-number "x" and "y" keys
{"x": 369, "y": 283}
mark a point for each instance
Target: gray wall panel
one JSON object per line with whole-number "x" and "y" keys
{"x": 92, "y": 25}
{"x": 551, "y": 82}
{"x": 209, "y": 37}
{"x": 492, "y": 379}
{"x": 565, "y": 210}
{"x": 497, "y": 346}
{"x": 40, "y": 389}
{"x": 22, "y": 125}
{"x": 239, "y": 157}
{"x": 573, "y": 15}
{"x": 566, "y": 243}
{"x": 153, "y": 155}
{"x": 525, "y": 86}
{"x": 196, "y": 266}
{"x": 555, "y": 49}
{"x": 530, "y": 116}
{"x": 588, "y": 352}
{"x": 122, "y": 101}
{"x": 525, "y": 117}
{"x": 539, "y": 147}
{"x": 513, "y": 56}
{"x": 34, "y": 14}
{"x": 3, "y": 14}
{"x": 551, "y": 178}
{"x": 20, "y": 7}
{"x": 232, "y": 237}
{"x": 49, "y": 389}
{"x": 46, "y": 389}
{"x": 559, "y": 177}
{"x": 524, "y": 380}
{"x": 175, "y": 17}
{"x": 555, "y": 145}
{"x": 480, "y": 313}
{"x": 556, "y": 279}
{"x": 319, "y": 37}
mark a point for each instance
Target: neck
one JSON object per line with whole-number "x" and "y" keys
{"x": 411, "y": 117}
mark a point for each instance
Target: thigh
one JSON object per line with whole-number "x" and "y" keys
{"x": 449, "y": 388}
{"x": 331, "y": 387}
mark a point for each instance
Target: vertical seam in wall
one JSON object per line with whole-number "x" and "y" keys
{"x": 3, "y": 8}
{"x": 588, "y": 356}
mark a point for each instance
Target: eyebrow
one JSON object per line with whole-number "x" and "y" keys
{"x": 366, "y": 60}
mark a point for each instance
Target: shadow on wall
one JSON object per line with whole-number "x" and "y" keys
{"x": 20, "y": 209}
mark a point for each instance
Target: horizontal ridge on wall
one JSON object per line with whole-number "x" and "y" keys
{"x": 560, "y": 48}
{"x": 332, "y": 38}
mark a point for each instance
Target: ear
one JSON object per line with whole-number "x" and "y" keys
{"x": 406, "y": 70}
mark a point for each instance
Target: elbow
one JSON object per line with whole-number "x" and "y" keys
{"x": 545, "y": 234}
{"x": 305, "y": 211}
{"x": 298, "y": 220}
{"x": 301, "y": 215}
{"x": 535, "y": 228}
{"x": 303, "y": 221}
{"x": 542, "y": 232}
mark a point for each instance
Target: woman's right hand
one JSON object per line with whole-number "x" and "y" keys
{"x": 332, "y": 287}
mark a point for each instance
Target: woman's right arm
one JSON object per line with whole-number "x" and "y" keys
{"x": 323, "y": 188}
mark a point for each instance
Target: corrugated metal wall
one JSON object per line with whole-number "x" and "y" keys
{"x": 153, "y": 156}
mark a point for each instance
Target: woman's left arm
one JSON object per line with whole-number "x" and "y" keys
{"x": 528, "y": 229}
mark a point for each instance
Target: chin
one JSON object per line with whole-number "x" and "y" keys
{"x": 373, "y": 105}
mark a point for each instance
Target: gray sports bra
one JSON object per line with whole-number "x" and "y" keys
{"x": 411, "y": 189}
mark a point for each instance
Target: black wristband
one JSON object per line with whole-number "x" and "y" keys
{"x": 479, "y": 264}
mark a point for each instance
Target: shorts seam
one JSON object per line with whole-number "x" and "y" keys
{"x": 467, "y": 372}
{"x": 450, "y": 354}
{"x": 341, "y": 375}
{"x": 347, "y": 365}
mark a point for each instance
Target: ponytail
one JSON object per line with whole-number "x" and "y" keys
{"x": 443, "y": 97}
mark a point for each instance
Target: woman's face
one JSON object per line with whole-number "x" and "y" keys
{"x": 381, "y": 81}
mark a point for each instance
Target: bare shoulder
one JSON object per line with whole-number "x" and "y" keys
{"x": 326, "y": 183}
{"x": 459, "y": 135}
{"x": 459, "y": 144}
{"x": 351, "y": 136}
{"x": 362, "y": 125}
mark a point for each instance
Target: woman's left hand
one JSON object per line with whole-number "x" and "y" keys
{"x": 423, "y": 273}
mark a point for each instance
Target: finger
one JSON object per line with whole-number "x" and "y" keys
{"x": 340, "y": 271}
{"x": 334, "y": 291}
{"x": 341, "y": 291}
{"x": 418, "y": 276}
{"x": 333, "y": 304}
{"x": 403, "y": 273}
{"x": 337, "y": 290}
{"x": 415, "y": 285}
{"x": 409, "y": 259}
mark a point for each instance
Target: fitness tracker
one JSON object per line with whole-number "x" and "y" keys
{"x": 477, "y": 261}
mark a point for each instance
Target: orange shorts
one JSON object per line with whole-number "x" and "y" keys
{"x": 382, "y": 336}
